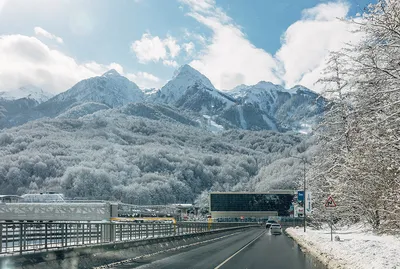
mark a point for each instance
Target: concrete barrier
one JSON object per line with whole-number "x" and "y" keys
{"x": 98, "y": 255}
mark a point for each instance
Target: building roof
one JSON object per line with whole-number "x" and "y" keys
{"x": 10, "y": 196}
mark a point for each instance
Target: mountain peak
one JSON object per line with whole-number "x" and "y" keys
{"x": 111, "y": 73}
{"x": 188, "y": 75}
{"x": 265, "y": 83}
{"x": 186, "y": 69}
{"x": 110, "y": 89}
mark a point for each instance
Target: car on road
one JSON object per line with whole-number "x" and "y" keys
{"x": 275, "y": 228}
{"x": 269, "y": 223}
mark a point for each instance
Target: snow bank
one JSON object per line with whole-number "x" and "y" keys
{"x": 356, "y": 248}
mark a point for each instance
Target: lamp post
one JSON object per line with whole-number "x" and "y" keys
{"x": 304, "y": 161}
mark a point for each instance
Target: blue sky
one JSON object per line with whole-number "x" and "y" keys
{"x": 53, "y": 44}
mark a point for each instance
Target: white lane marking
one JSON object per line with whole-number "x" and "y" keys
{"x": 163, "y": 251}
{"x": 237, "y": 252}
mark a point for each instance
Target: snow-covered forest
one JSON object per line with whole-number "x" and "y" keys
{"x": 359, "y": 140}
{"x": 115, "y": 155}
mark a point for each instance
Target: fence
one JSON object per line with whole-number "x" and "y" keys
{"x": 291, "y": 222}
{"x": 17, "y": 238}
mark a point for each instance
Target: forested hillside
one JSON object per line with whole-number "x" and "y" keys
{"x": 113, "y": 154}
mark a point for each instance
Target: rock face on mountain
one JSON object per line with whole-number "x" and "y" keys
{"x": 271, "y": 107}
{"x": 189, "y": 98}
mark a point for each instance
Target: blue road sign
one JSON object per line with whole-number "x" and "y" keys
{"x": 300, "y": 195}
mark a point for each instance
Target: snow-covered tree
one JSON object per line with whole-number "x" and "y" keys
{"x": 359, "y": 139}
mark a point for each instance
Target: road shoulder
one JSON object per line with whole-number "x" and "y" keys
{"x": 309, "y": 247}
{"x": 356, "y": 247}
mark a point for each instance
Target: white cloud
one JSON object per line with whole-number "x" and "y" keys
{"x": 326, "y": 11}
{"x": 306, "y": 43}
{"x": 189, "y": 48}
{"x": 149, "y": 48}
{"x": 26, "y": 60}
{"x": 229, "y": 58}
{"x": 145, "y": 80}
{"x": 170, "y": 63}
{"x": 195, "y": 36}
{"x": 148, "y": 76}
{"x": 153, "y": 48}
{"x": 2, "y": 4}
{"x": 42, "y": 32}
{"x": 172, "y": 46}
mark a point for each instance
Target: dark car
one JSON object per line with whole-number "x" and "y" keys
{"x": 269, "y": 223}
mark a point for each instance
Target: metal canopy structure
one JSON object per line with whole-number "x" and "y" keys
{"x": 58, "y": 211}
{"x": 74, "y": 210}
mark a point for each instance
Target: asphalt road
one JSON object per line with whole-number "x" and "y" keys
{"x": 252, "y": 249}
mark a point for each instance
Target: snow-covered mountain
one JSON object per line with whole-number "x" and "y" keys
{"x": 110, "y": 89}
{"x": 189, "y": 97}
{"x": 29, "y": 92}
{"x": 269, "y": 106}
{"x": 189, "y": 89}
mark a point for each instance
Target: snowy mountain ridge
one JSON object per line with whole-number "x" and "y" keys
{"x": 111, "y": 89}
{"x": 29, "y": 92}
{"x": 263, "y": 106}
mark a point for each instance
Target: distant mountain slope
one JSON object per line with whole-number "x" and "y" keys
{"x": 266, "y": 106}
{"x": 110, "y": 89}
{"x": 17, "y": 112}
{"x": 29, "y": 92}
{"x": 158, "y": 112}
{"x": 82, "y": 110}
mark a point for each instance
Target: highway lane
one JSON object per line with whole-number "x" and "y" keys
{"x": 271, "y": 251}
{"x": 252, "y": 249}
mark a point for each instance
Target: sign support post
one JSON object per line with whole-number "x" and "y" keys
{"x": 331, "y": 227}
{"x": 330, "y": 205}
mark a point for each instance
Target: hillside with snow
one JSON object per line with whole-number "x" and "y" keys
{"x": 158, "y": 157}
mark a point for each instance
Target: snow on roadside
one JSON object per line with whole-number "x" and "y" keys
{"x": 355, "y": 250}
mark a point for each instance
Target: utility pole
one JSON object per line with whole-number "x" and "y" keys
{"x": 304, "y": 161}
{"x": 304, "y": 202}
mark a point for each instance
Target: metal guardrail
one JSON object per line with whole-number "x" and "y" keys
{"x": 23, "y": 237}
{"x": 284, "y": 221}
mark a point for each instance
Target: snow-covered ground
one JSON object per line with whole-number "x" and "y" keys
{"x": 357, "y": 248}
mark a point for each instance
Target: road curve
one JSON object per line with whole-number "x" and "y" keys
{"x": 251, "y": 249}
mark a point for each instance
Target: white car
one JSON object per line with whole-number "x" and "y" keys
{"x": 275, "y": 229}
